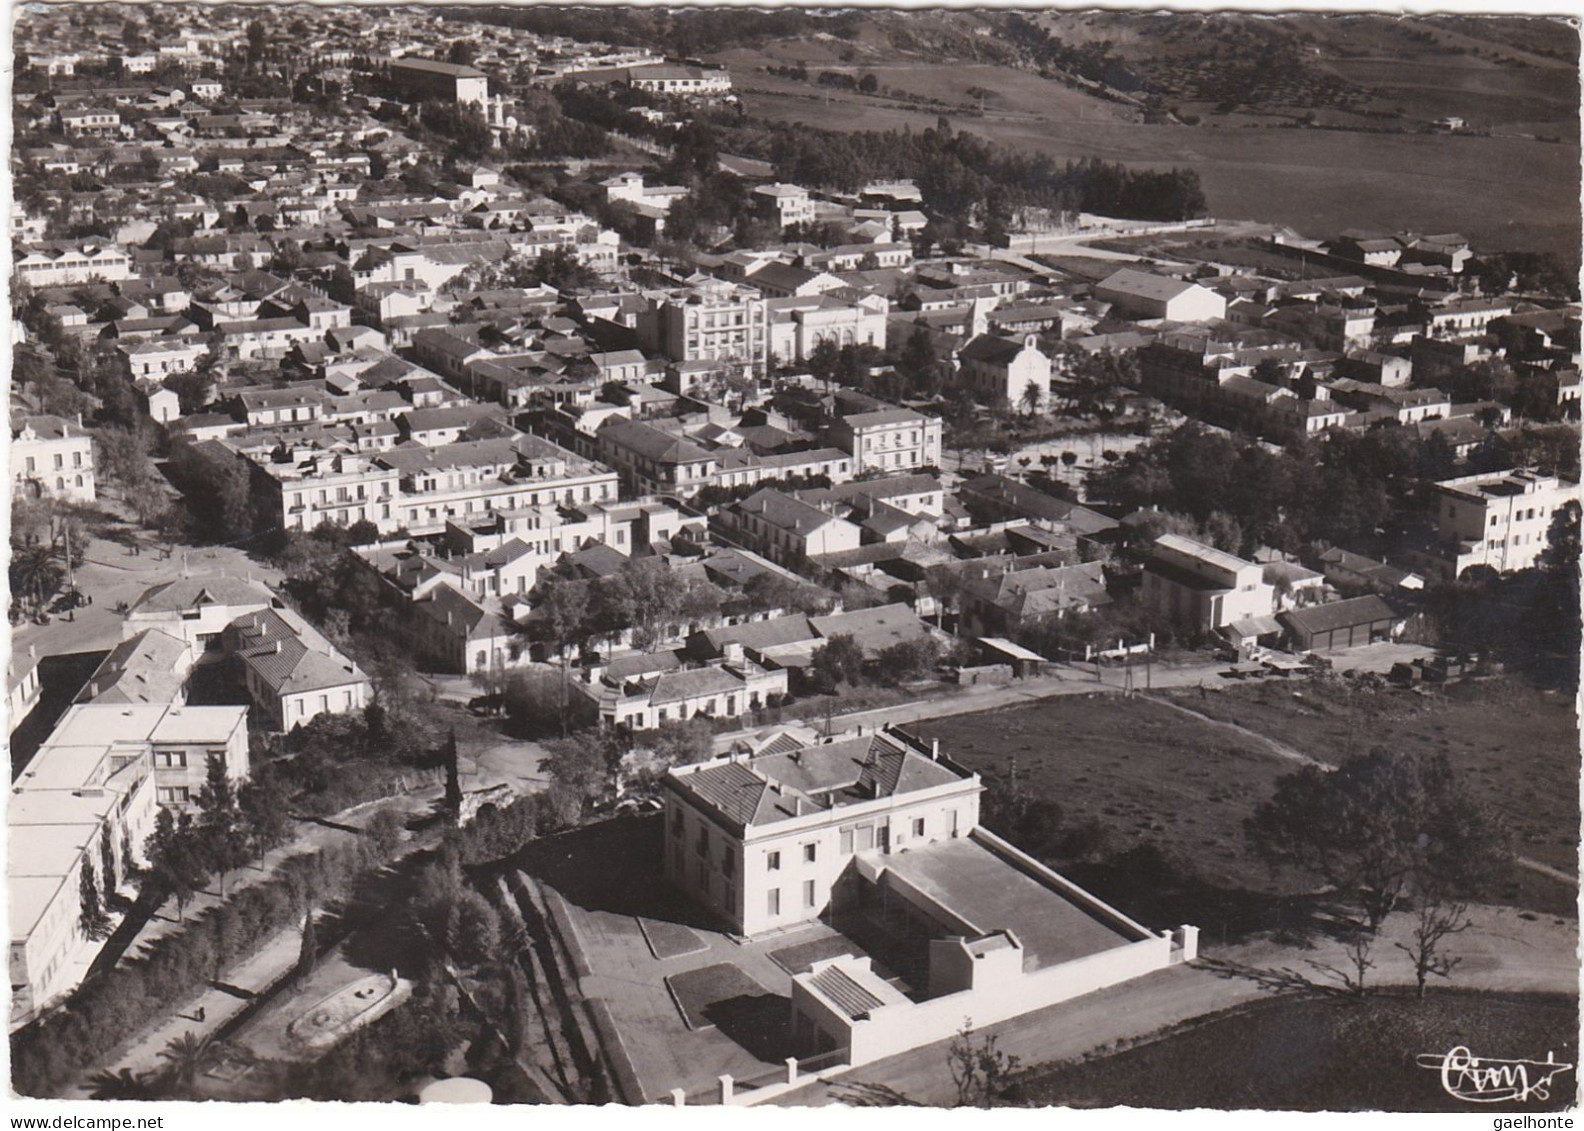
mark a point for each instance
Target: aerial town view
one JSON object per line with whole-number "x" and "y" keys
{"x": 794, "y": 557}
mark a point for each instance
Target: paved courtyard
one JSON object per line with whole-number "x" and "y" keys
{"x": 609, "y": 882}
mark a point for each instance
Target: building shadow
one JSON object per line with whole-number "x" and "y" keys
{"x": 757, "y": 1022}
{"x": 614, "y": 866}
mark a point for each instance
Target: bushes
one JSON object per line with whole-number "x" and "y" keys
{"x": 56, "y": 1050}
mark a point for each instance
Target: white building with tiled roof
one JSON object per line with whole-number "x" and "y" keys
{"x": 762, "y": 841}
{"x": 291, "y": 673}
{"x": 51, "y": 456}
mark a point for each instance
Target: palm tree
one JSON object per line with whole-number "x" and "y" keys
{"x": 188, "y": 1057}
{"x": 35, "y": 574}
{"x": 125, "y": 1085}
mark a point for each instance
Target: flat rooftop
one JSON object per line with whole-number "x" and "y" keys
{"x": 981, "y": 888}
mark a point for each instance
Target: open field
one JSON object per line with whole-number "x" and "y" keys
{"x": 1517, "y": 748}
{"x": 1323, "y": 1054}
{"x": 1172, "y": 793}
{"x": 1502, "y": 192}
{"x": 1500, "y": 99}
{"x": 1007, "y": 91}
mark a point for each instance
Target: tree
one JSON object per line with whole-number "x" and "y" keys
{"x": 472, "y": 929}
{"x": 36, "y": 575}
{"x": 257, "y": 41}
{"x": 680, "y": 742}
{"x": 308, "y": 951}
{"x": 840, "y": 659}
{"x": 187, "y": 1058}
{"x": 221, "y": 829}
{"x": 1378, "y": 827}
{"x": 453, "y": 780}
{"x": 91, "y": 918}
{"x": 176, "y": 861}
{"x": 868, "y": 84}
{"x": 646, "y": 597}
{"x": 581, "y": 771}
{"x": 385, "y": 830}
{"x": 1437, "y": 916}
{"x": 981, "y": 1071}
{"x": 125, "y": 1085}
{"x": 265, "y": 814}
{"x": 107, "y": 865}
{"x": 909, "y": 659}
{"x": 822, "y": 361}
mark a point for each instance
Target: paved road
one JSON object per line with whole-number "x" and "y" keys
{"x": 1502, "y": 952}
{"x": 1077, "y": 679}
{"x": 111, "y": 572}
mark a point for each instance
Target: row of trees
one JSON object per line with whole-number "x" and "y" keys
{"x": 230, "y": 829}
{"x": 56, "y": 1050}
{"x": 967, "y": 180}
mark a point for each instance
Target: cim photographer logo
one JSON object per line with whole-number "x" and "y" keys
{"x": 1486, "y": 1080}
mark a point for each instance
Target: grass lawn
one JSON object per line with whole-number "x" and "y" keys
{"x": 798, "y": 959}
{"x": 1323, "y": 1054}
{"x": 1517, "y": 748}
{"x": 669, "y": 940}
{"x": 699, "y": 993}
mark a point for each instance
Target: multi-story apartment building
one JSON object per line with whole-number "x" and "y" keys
{"x": 51, "y": 457}
{"x": 786, "y": 529}
{"x": 655, "y": 462}
{"x": 1202, "y": 588}
{"x": 315, "y": 487}
{"x": 90, "y": 120}
{"x": 786, "y": 204}
{"x": 88, "y": 798}
{"x": 291, "y": 672}
{"x": 714, "y": 321}
{"x": 1499, "y": 520}
{"x": 887, "y": 439}
{"x": 151, "y": 362}
{"x": 473, "y": 478}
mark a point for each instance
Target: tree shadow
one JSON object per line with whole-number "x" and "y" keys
{"x": 1274, "y": 980}
{"x": 1146, "y": 884}
{"x": 757, "y": 1022}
